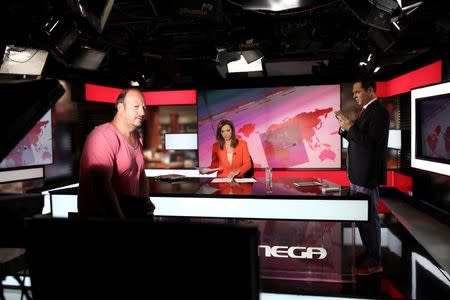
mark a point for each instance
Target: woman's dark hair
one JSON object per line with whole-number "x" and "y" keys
{"x": 219, "y": 138}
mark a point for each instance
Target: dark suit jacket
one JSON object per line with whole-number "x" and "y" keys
{"x": 367, "y": 150}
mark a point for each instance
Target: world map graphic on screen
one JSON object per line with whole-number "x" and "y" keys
{"x": 284, "y": 127}
{"x": 435, "y": 127}
{"x": 34, "y": 149}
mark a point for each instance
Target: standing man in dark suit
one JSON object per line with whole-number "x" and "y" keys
{"x": 366, "y": 165}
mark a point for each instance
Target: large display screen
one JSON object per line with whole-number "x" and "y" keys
{"x": 34, "y": 149}
{"x": 433, "y": 134}
{"x": 285, "y": 127}
{"x": 430, "y": 128}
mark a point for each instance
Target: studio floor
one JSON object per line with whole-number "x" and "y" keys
{"x": 410, "y": 272}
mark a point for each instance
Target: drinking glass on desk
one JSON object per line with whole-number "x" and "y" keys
{"x": 268, "y": 179}
{"x": 268, "y": 171}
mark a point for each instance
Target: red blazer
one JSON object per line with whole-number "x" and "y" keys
{"x": 241, "y": 159}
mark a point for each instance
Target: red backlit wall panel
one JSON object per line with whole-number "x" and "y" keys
{"x": 104, "y": 94}
{"x": 98, "y": 93}
{"x": 429, "y": 74}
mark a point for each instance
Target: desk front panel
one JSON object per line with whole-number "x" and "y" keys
{"x": 282, "y": 200}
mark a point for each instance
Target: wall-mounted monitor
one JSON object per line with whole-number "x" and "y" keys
{"x": 180, "y": 141}
{"x": 284, "y": 127}
{"x": 430, "y": 128}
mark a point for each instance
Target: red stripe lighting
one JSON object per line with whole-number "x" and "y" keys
{"x": 99, "y": 93}
{"x": 171, "y": 97}
{"x": 104, "y": 94}
{"x": 429, "y": 74}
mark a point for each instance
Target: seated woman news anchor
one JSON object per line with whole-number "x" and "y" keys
{"x": 229, "y": 154}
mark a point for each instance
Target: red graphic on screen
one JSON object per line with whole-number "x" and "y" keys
{"x": 327, "y": 154}
{"x": 284, "y": 143}
{"x": 247, "y": 129}
{"x": 432, "y": 140}
{"x": 308, "y": 123}
{"x": 34, "y": 149}
{"x": 284, "y": 127}
{"x": 434, "y": 127}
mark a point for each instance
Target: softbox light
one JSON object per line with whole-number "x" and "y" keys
{"x": 251, "y": 55}
{"x": 224, "y": 57}
{"x": 88, "y": 58}
{"x": 241, "y": 65}
{"x": 378, "y": 16}
{"x": 23, "y": 61}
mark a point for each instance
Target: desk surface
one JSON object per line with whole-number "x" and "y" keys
{"x": 198, "y": 197}
{"x": 280, "y": 187}
{"x": 201, "y": 187}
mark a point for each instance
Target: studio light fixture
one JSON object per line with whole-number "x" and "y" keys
{"x": 23, "y": 60}
{"x": 408, "y": 4}
{"x": 252, "y": 55}
{"x": 96, "y": 13}
{"x": 368, "y": 62}
{"x": 377, "y": 14}
{"x": 88, "y": 58}
{"x": 241, "y": 65}
{"x": 224, "y": 57}
{"x": 67, "y": 39}
{"x": 51, "y": 25}
{"x": 274, "y": 5}
{"x": 60, "y": 32}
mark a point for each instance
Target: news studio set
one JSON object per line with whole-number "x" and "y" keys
{"x": 224, "y": 149}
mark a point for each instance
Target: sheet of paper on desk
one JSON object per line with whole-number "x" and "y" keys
{"x": 244, "y": 180}
{"x": 221, "y": 180}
